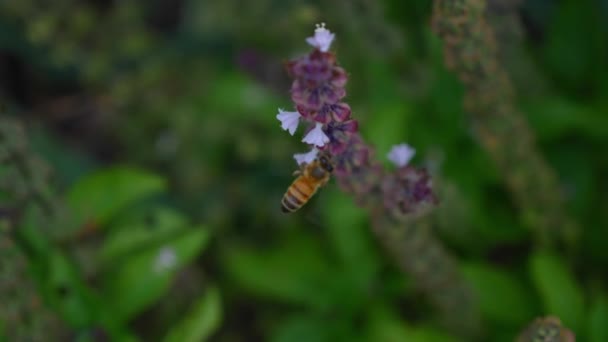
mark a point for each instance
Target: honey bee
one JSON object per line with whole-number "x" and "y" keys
{"x": 311, "y": 177}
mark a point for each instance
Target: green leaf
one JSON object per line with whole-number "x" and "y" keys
{"x": 101, "y": 195}
{"x": 140, "y": 230}
{"x": 234, "y": 94}
{"x": 556, "y": 117}
{"x": 575, "y": 70}
{"x": 385, "y": 325}
{"x": 90, "y": 336}
{"x": 293, "y": 272}
{"x": 597, "y": 325}
{"x": 66, "y": 292}
{"x": 559, "y": 291}
{"x": 314, "y": 327}
{"x": 502, "y": 297}
{"x": 201, "y": 322}
{"x": 446, "y": 119}
{"x": 142, "y": 280}
{"x": 578, "y": 168}
{"x": 36, "y": 244}
{"x": 350, "y": 236}
{"x": 302, "y": 328}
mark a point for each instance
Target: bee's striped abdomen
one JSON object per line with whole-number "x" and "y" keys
{"x": 297, "y": 195}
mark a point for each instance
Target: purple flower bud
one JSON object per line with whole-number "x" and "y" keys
{"x": 354, "y": 153}
{"x": 308, "y": 99}
{"x": 318, "y": 82}
{"x": 314, "y": 69}
{"x": 340, "y": 135}
{"x": 407, "y": 189}
{"x": 331, "y": 95}
{"x": 338, "y": 77}
{"x": 340, "y": 112}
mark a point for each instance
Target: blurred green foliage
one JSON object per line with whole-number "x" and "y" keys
{"x": 158, "y": 122}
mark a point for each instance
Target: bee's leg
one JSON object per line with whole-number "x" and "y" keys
{"x": 300, "y": 171}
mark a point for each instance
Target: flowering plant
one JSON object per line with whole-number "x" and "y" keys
{"x": 392, "y": 196}
{"x": 318, "y": 90}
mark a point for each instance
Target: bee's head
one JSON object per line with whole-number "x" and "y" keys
{"x": 325, "y": 162}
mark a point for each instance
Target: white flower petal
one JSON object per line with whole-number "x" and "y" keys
{"x": 306, "y": 158}
{"x": 316, "y": 137}
{"x": 322, "y": 39}
{"x": 289, "y": 120}
{"x": 166, "y": 259}
{"x": 401, "y": 154}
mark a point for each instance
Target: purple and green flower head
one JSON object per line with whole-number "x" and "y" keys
{"x": 317, "y": 92}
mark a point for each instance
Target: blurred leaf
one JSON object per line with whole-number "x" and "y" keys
{"x": 390, "y": 113}
{"x": 381, "y": 88}
{"x": 234, "y": 94}
{"x": 560, "y": 293}
{"x": 385, "y": 325}
{"x": 141, "y": 230}
{"x": 430, "y": 334}
{"x": 317, "y": 327}
{"x": 448, "y": 120}
{"x": 555, "y": 117}
{"x": 352, "y": 241}
{"x": 295, "y": 271}
{"x": 389, "y": 127}
{"x": 68, "y": 163}
{"x": 145, "y": 276}
{"x": 571, "y": 53}
{"x": 597, "y": 325}
{"x": 66, "y": 292}
{"x": 92, "y": 335}
{"x": 101, "y": 195}
{"x": 576, "y": 167}
{"x": 36, "y": 244}
{"x": 201, "y": 321}
{"x": 302, "y": 328}
{"x": 501, "y": 296}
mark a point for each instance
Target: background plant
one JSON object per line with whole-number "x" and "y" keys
{"x": 176, "y": 100}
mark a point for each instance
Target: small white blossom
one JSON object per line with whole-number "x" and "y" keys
{"x": 316, "y": 136}
{"x": 166, "y": 259}
{"x": 289, "y": 120}
{"x": 322, "y": 38}
{"x": 306, "y": 158}
{"x": 401, "y": 154}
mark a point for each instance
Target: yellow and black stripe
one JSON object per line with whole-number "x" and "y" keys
{"x": 296, "y": 196}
